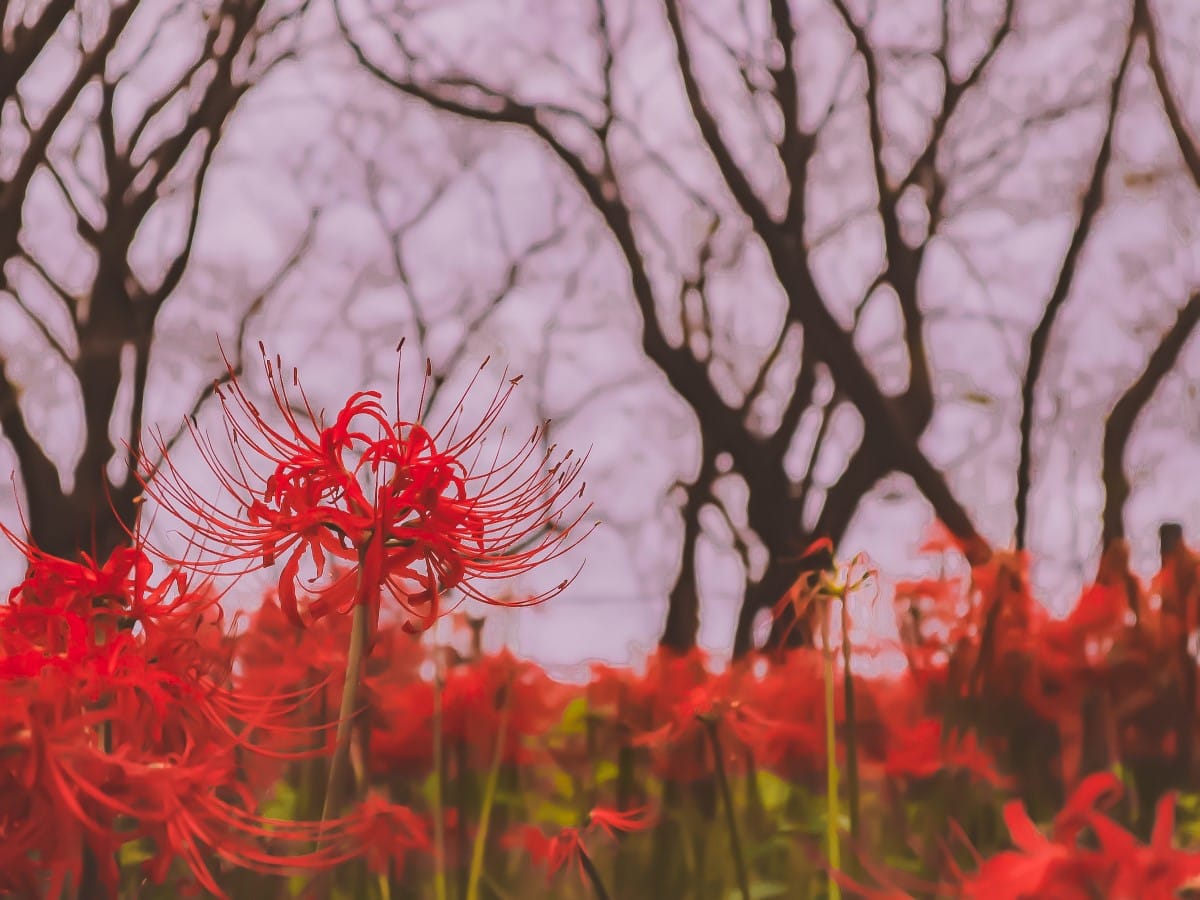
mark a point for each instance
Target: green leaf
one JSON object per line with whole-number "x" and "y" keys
{"x": 564, "y": 784}
{"x": 574, "y": 717}
{"x": 774, "y": 791}
{"x": 284, "y": 802}
{"x": 133, "y": 853}
{"x": 606, "y": 771}
{"x": 561, "y": 815}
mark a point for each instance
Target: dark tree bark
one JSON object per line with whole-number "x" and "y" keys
{"x": 111, "y": 322}
{"x": 1121, "y": 421}
{"x": 1039, "y": 341}
{"x": 894, "y": 422}
{"x": 1118, "y": 427}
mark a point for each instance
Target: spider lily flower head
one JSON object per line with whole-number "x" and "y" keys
{"x": 1059, "y": 865}
{"x": 388, "y": 832}
{"x": 120, "y": 593}
{"x": 411, "y": 513}
{"x": 567, "y": 846}
{"x": 109, "y": 736}
{"x": 497, "y": 688}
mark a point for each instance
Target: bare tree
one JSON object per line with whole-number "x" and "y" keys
{"x": 113, "y": 113}
{"x": 712, "y": 140}
{"x": 1120, "y": 423}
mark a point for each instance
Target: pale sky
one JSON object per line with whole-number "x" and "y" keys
{"x": 318, "y": 135}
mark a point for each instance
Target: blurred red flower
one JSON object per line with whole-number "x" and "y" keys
{"x": 1118, "y": 868}
{"x": 554, "y": 852}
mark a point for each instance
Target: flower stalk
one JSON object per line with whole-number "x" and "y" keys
{"x": 852, "y": 793}
{"x": 439, "y": 778}
{"x": 735, "y": 840}
{"x": 489, "y": 800}
{"x": 593, "y": 875}
{"x": 338, "y": 767}
{"x": 832, "y": 808}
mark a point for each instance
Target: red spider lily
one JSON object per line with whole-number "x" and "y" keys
{"x": 1116, "y": 595}
{"x": 567, "y": 846}
{"x": 683, "y": 698}
{"x": 476, "y": 697}
{"x": 939, "y": 539}
{"x": 120, "y": 593}
{"x": 477, "y": 694}
{"x": 781, "y": 717}
{"x": 110, "y": 735}
{"x": 626, "y": 703}
{"x": 397, "y": 701}
{"x": 1057, "y": 866}
{"x": 65, "y": 697}
{"x": 401, "y": 729}
{"x": 800, "y": 598}
{"x": 924, "y": 750}
{"x": 105, "y": 604}
{"x": 389, "y": 832}
{"x": 301, "y": 669}
{"x": 620, "y": 708}
{"x": 403, "y": 507}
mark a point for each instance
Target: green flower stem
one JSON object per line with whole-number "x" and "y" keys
{"x": 625, "y": 786}
{"x": 489, "y": 799}
{"x": 359, "y": 625}
{"x": 439, "y": 777}
{"x": 735, "y": 841}
{"x": 851, "y": 726}
{"x": 832, "y": 811}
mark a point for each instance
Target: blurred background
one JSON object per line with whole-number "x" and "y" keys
{"x": 790, "y": 268}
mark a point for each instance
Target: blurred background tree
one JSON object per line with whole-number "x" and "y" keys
{"x": 803, "y": 269}
{"x": 112, "y": 114}
{"x": 796, "y": 191}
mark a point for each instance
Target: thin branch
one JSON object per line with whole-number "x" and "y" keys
{"x": 735, "y": 179}
{"x": 1179, "y": 127}
{"x": 1118, "y": 427}
{"x": 178, "y": 265}
{"x": 252, "y": 310}
{"x": 804, "y": 488}
{"x": 36, "y": 320}
{"x": 12, "y": 192}
{"x": 795, "y": 147}
{"x": 686, "y": 375}
{"x": 1039, "y": 342}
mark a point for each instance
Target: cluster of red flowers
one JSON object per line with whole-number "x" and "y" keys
{"x": 117, "y": 726}
{"x": 129, "y": 717}
{"x": 1062, "y": 865}
{"x": 330, "y": 731}
{"x": 1114, "y": 680}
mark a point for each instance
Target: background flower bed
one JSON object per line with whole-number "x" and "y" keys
{"x": 1002, "y": 717}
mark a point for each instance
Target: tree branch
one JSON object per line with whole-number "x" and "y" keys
{"x": 795, "y": 147}
{"x": 1118, "y": 427}
{"x": 1179, "y": 127}
{"x": 735, "y": 179}
{"x": 1039, "y": 342}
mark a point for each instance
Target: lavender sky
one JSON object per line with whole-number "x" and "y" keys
{"x": 422, "y": 216}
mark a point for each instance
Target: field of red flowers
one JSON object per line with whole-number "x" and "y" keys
{"x": 327, "y": 747}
